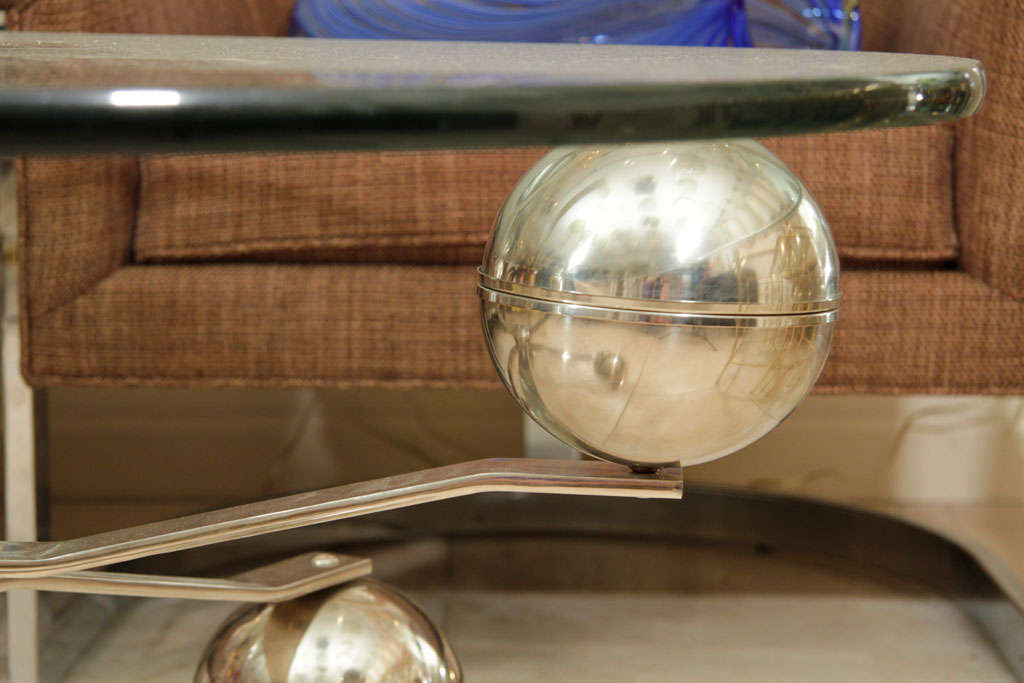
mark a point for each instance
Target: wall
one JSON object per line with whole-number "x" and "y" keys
{"x": 125, "y": 456}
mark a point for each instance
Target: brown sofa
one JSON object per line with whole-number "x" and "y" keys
{"x": 358, "y": 269}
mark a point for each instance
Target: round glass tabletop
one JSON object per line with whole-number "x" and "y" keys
{"x": 73, "y": 93}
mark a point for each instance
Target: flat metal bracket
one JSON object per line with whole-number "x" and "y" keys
{"x": 284, "y": 580}
{"x": 58, "y": 565}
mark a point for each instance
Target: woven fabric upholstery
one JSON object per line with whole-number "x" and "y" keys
{"x": 78, "y": 216}
{"x": 201, "y": 17}
{"x": 419, "y": 326}
{"x": 990, "y": 145}
{"x": 76, "y": 219}
{"x": 881, "y": 25}
{"x": 937, "y": 332}
{"x": 886, "y": 193}
{"x": 280, "y": 325}
{"x": 420, "y": 205}
{"x": 283, "y": 291}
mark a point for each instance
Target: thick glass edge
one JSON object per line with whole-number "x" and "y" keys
{"x": 47, "y": 120}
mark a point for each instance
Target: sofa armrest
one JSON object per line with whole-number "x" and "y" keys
{"x": 76, "y": 219}
{"x": 989, "y": 148}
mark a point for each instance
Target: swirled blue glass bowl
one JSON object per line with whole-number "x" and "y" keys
{"x": 819, "y": 24}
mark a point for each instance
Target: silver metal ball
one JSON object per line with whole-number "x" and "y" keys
{"x": 361, "y": 632}
{"x": 659, "y": 304}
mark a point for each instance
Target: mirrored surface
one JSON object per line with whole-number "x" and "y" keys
{"x": 361, "y": 631}
{"x": 653, "y": 390}
{"x": 694, "y": 227}
{"x": 659, "y": 304}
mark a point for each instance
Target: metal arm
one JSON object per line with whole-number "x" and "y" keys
{"x": 284, "y": 580}
{"x": 36, "y": 560}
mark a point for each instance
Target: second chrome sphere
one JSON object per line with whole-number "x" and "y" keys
{"x": 362, "y": 631}
{"x": 659, "y": 304}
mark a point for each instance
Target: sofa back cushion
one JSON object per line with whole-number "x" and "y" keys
{"x": 887, "y": 195}
{"x": 200, "y": 17}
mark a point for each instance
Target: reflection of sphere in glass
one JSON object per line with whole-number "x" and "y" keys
{"x": 361, "y": 631}
{"x": 659, "y": 304}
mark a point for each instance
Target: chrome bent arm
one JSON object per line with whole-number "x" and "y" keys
{"x": 37, "y": 560}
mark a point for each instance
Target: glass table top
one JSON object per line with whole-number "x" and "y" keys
{"x": 73, "y": 93}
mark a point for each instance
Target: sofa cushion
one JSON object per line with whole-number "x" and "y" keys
{"x": 278, "y": 325}
{"x": 403, "y": 326}
{"x": 432, "y": 207}
{"x": 887, "y": 195}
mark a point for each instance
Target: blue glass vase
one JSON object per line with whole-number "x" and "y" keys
{"x": 821, "y": 24}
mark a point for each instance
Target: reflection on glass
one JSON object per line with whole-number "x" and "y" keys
{"x": 141, "y": 97}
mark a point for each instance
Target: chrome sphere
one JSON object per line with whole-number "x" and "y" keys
{"x": 659, "y": 304}
{"x": 363, "y": 632}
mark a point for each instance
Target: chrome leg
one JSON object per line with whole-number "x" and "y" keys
{"x": 19, "y": 449}
{"x": 22, "y": 636}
